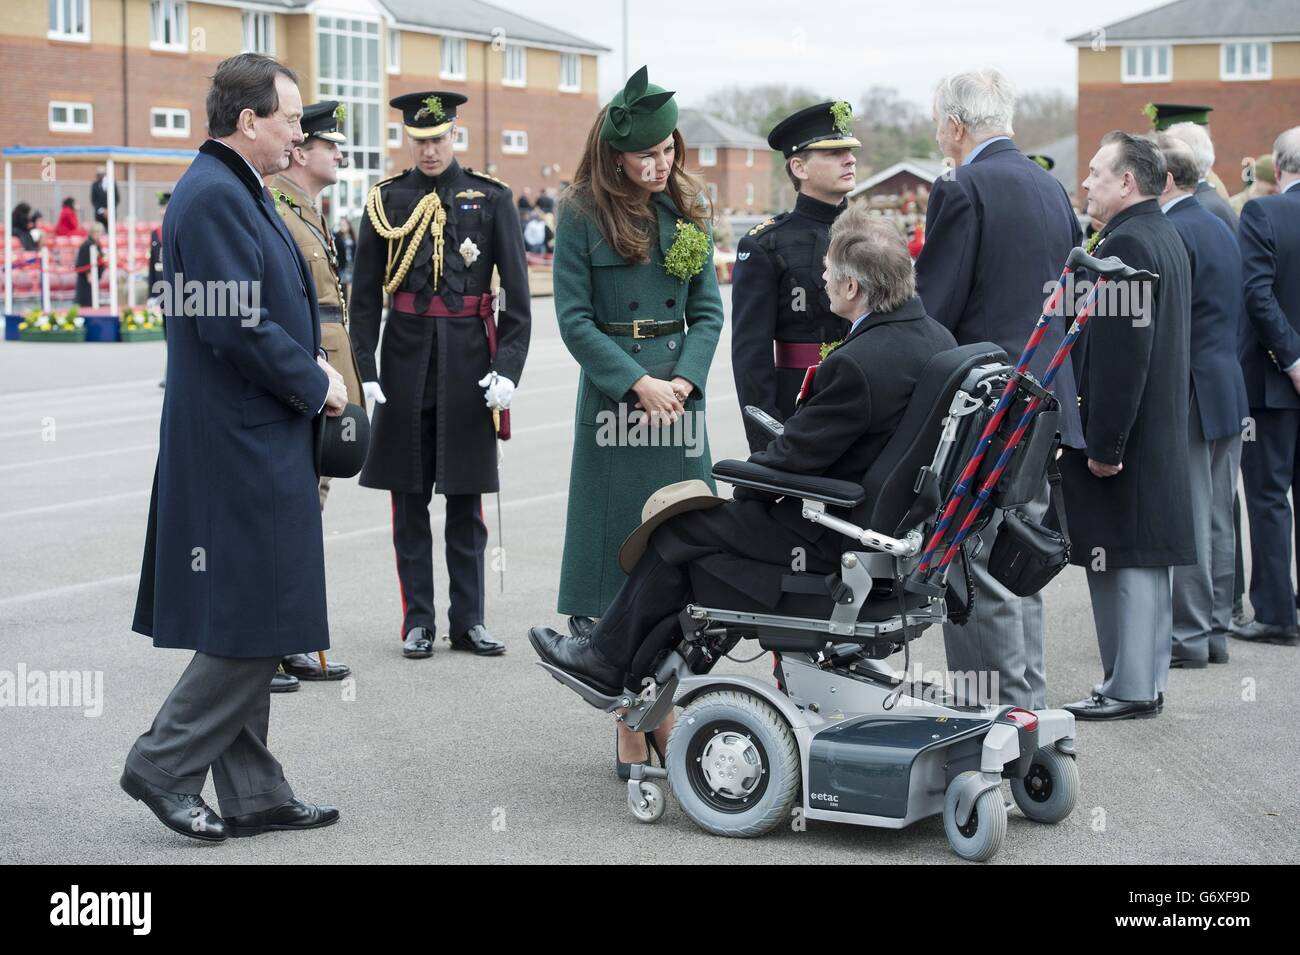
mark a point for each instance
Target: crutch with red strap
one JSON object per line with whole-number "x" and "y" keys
{"x": 1106, "y": 270}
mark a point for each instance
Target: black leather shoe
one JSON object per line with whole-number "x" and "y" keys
{"x": 478, "y": 641}
{"x": 1256, "y": 632}
{"x": 417, "y": 644}
{"x": 576, "y": 655}
{"x": 185, "y": 813}
{"x": 282, "y": 682}
{"x": 1098, "y": 707}
{"x": 581, "y": 626}
{"x": 293, "y": 815}
{"x": 306, "y": 666}
{"x": 1188, "y": 663}
{"x": 1218, "y": 655}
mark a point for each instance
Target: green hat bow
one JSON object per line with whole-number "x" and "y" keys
{"x": 640, "y": 115}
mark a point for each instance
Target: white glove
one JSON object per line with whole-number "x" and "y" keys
{"x": 497, "y": 390}
{"x": 374, "y": 394}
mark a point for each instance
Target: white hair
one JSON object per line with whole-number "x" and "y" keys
{"x": 1286, "y": 151}
{"x": 984, "y": 101}
{"x": 1196, "y": 137}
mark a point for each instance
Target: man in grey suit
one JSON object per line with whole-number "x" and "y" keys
{"x": 1203, "y": 591}
{"x": 234, "y": 564}
{"x": 998, "y": 231}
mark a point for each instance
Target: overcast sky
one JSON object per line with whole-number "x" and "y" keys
{"x": 838, "y": 47}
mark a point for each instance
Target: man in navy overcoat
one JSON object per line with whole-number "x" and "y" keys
{"x": 234, "y": 565}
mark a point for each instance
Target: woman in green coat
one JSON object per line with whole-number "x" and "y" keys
{"x": 636, "y": 297}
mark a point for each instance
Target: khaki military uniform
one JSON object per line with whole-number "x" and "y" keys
{"x": 316, "y": 243}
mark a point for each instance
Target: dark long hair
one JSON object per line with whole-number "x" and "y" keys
{"x": 617, "y": 206}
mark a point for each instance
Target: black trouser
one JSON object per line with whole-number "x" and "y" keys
{"x": 641, "y": 619}
{"x": 1270, "y": 468}
{"x": 466, "y": 541}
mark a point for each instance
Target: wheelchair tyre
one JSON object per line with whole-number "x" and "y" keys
{"x": 648, "y": 805}
{"x": 1050, "y": 788}
{"x": 981, "y": 837}
{"x": 733, "y": 764}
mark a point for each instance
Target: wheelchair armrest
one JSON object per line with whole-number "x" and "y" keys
{"x": 807, "y": 486}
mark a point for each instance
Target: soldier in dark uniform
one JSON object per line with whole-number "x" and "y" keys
{"x": 780, "y": 315}
{"x": 451, "y": 355}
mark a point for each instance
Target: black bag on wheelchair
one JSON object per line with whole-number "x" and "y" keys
{"x": 1026, "y": 555}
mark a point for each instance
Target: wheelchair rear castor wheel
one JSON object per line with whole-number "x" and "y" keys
{"x": 1050, "y": 789}
{"x": 646, "y": 801}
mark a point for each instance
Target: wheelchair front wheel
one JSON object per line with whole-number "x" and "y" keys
{"x": 1050, "y": 790}
{"x": 733, "y": 764}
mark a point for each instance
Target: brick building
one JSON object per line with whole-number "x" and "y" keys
{"x": 1241, "y": 57}
{"x": 135, "y": 72}
{"x": 735, "y": 164}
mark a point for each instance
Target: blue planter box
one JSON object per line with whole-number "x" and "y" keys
{"x": 99, "y": 328}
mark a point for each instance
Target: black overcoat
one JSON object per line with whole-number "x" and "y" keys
{"x": 1133, "y": 402}
{"x": 433, "y": 365}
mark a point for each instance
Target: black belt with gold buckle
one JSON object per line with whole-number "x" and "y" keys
{"x": 641, "y": 328}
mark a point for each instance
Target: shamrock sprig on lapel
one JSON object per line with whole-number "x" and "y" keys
{"x": 1093, "y": 242}
{"x": 685, "y": 258}
{"x": 828, "y": 347}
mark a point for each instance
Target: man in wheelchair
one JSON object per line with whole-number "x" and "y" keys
{"x": 851, "y": 408}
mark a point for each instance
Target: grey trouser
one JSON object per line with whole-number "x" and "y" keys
{"x": 1203, "y": 592}
{"x": 1004, "y": 635}
{"x": 1132, "y": 609}
{"x": 216, "y": 717}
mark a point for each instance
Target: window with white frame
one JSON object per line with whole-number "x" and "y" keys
{"x": 570, "y": 72}
{"x": 1246, "y": 61}
{"x": 259, "y": 33}
{"x": 453, "y": 58}
{"x": 394, "y": 51}
{"x": 1148, "y": 64}
{"x": 70, "y": 20}
{"x": 514, "y": 141}
{"x": 394, "y": 134}
{"x": 514, "y": 70}
{"x": 71, "y": 117}
{"x": 167, "y": 24}
{"x": 169, "y": 121}
{"x": 749, "y": 157}
{"x": 460, "y": 140}
{"x": 708, "y": 155}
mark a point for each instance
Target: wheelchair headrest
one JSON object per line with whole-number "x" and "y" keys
{"x": 891, "y": 480}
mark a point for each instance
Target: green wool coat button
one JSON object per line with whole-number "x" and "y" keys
{"x": 671, "y": 302}
{"x": 633, "y": 306}
{"x": 636, "y": 347}
{"x": 672, "y": 346}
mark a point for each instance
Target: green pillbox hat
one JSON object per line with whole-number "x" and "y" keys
{"x": 640, "y": 115}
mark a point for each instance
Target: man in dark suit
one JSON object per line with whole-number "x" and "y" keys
{"x": 837, "y": 431}
{"x": 234, "y": 564}
{"x": 1190, "y": 125}
{"x": 1127, "y": 494}
{"x": 998, "y": 230}
{"x": 1269, "y": 236}
{"x": 1203, "y": 592}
